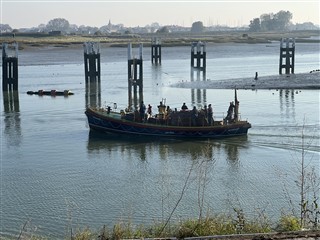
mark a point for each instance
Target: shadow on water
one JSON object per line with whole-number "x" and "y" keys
{"x": 198, "y": 96}
{"x": 166, "y": 148}
{"x": 12, "y": 121}
{"x": 156, "y": 78}
{"x": 287, "y": 103}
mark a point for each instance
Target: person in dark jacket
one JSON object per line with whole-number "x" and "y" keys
{"x": 142, "y": 111}
{"x": 210, "y": 115}
{"x": 184, "y": 107}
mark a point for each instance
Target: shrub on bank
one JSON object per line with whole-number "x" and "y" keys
{"x": 208, "y": 226}
{"x": 288, "y": 223}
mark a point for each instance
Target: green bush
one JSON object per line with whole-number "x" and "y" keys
{"x": 288, "y": 223}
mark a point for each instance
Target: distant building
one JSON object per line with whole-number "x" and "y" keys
{"x": 55, "y": 33}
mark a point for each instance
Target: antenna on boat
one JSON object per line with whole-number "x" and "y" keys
{"x": 236, "y": 106}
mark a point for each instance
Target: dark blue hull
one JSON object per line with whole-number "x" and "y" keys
{"x": 113, "y": 123}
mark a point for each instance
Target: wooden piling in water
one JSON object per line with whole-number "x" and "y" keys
{"x": 92, "y": 71}
{"x": 135, "y": 79}
{"x": 9, "y": 68}
{"x": 198, "y": 55}
{"x": 156, "y": 51}
{"x": 287, "y": 50}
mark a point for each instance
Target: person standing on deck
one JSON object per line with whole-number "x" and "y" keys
{"x": 184, "y": 107}
{"x": 142, "y": 111}
{"x": 149, "y": 110}
{"x": 230, "y": 112}
{"x": 194, "y": 116}
{"x": 210, "y": 115}
{"x": 205, "y": 110}
{"x": 161, "y": 108}
{"x": 168, "y": 112}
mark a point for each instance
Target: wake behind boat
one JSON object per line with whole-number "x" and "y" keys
{"x": 175, "y": 124}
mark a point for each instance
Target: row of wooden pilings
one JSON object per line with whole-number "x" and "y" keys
{"x": 135, "y": 67}
{"x": 198, "y": 53}
{"x": 135, "y": 70}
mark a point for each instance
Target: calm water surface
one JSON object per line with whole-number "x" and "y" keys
{"x": 55, "y": 174}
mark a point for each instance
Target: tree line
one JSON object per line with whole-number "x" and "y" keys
{"x": 280, "y": 21}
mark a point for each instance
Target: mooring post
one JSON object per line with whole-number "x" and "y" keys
{"x": 135, "y": 79}
{"x": 92, "y": 61}
{"x": 198, "y": 53}
{"x": 9, "y": 68}
{"x": 92, "y": 71}
{"x": 287, "y": 49}
{"x": 156, "y": 50}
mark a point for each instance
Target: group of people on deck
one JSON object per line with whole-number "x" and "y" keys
{"x": 208, "y": 113}
{"x": 165, "y": 111}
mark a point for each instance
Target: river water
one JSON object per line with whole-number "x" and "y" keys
{"x": 56, "y": 175}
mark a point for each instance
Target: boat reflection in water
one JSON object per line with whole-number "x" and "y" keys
{"x": 147, "y": 147}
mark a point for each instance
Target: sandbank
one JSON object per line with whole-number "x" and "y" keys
{"x": 309, "y": 80}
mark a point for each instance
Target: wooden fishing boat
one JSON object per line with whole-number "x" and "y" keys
{"x": 176, "y": 124}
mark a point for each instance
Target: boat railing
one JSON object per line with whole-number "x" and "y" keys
{"x": 223, "y": 115}
{"x": 184, "y": 117}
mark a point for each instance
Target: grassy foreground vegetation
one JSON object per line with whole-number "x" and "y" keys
{"x": 208, "y": 226}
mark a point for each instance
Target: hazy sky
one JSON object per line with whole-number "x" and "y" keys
{"x": 23, "y": 13}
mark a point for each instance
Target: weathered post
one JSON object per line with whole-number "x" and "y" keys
{"x": 287, "y": 49}
{"x": 92, "y": 61}
{"x": 135, "y": 79}
{"x": 156, "y": 51}
{"x": 92, "y": 71}
{"x": 198, "y": 53}
{"x": 236, "y": 106}
{"x": 9, "y": 68}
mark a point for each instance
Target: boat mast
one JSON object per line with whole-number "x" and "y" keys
{"x": 236, "y": 108}
{"x": 130, "y": 74}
